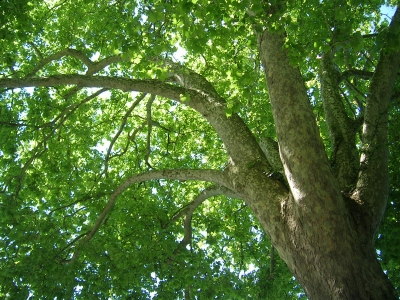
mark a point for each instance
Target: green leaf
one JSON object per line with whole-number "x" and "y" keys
{"x": 97, "y": 132}
{"x": 184, "y": 97}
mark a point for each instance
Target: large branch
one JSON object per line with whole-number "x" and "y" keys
{"x": 341, "y": 129}
{"x": 124, "y": 84}
{"x": 248, "y": 165}
{"x": 92, "y": 67}
{"x": 215, "y": 176}
{"x": 240, "y": 143}
{"x": 372, "y": 186}
{"x": 302, "y": 152}
{"x": 187, "y": 78}
{"x": 185, "y": 174}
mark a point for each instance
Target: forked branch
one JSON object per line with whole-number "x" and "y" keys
{"x": 205, "y": 194}
{"x": 92, "y": 67}
{"x": 121, "y": 128}
{"x": 202, "y": 175}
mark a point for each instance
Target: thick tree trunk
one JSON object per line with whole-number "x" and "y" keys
{"x": 329, "y": 264}
{"x": 346, "y": 272}
{"x": 326, "y": 237}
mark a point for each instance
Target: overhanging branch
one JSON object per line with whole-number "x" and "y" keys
{"x": 215, "y": 176}
{"x": 153, "y": 86}
{"x": 191, "y": 207}
{"x": 187, "y": 212}
{"x": 239, "y": 141}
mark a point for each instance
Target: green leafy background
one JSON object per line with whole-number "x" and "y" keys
{"x": 57, "y": 169}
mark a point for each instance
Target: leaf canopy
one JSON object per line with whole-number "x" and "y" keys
{"x": 65, "y": 149}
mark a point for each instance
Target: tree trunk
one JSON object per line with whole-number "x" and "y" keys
{"x": 329, "y": 262}
{"x": 345, "y": 272}
{"x": 326, "y": 236}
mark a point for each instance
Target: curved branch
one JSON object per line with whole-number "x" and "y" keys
{"x": 187, "y": 237}
{"x": 187, "y": 78}
{"x": 247, "y": 160}
{"x": 204, "y": 195}
{"x": 188, "y": 210}
{"x": 97, "y": 66}
{"x": 238, "y": 139}
{"x": 92, "y": 67}
{"x": 66, "y": 52}
{"x": 153, "y": 86}
{"x": 186, "y": 174}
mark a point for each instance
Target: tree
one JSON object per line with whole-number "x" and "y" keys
{"x": 129, "y": 172}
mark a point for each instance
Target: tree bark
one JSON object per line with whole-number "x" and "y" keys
{"x": 311, "y": 226}
{"x": 342, "y": 130}
{"x": 326, "y": 241}
{"x": 324, "y": 237}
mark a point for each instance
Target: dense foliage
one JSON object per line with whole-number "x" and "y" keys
{"x": 66, "y": 149}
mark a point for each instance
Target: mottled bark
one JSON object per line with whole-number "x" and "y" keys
{"x": 373, "y": 179}
{"x": 248, "y": 171}
{"x": 240, "y": 143}
{"x": 324, "y": 240}
{"x": 271, "y": 151}
{"x": 324, "y": 237}
{"x": 341, "y": 129}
